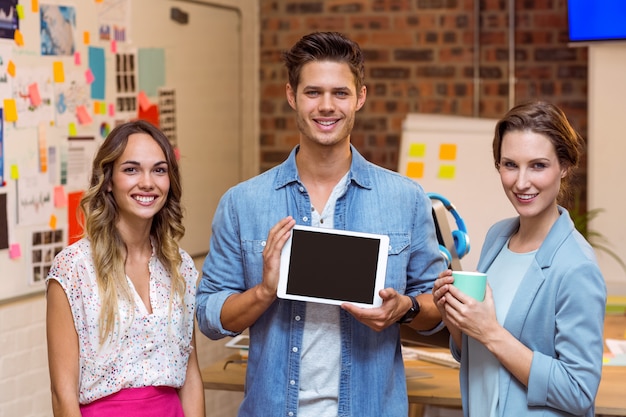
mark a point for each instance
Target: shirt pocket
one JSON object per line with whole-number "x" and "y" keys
{"x": 253, "y": 261}
{"x": 397, "y": 260}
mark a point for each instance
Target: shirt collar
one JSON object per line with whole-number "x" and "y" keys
{"x": 359, "y": 170}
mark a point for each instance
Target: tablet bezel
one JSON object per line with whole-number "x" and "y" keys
{"x": 381, "y": 267}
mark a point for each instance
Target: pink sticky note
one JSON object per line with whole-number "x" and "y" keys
{"x": 144, "y": 102}
{"x": 113, "y": 46}
{"x": 89, "y": 77}
{"x": 15, "y": 251}
{"x": 60, "y": 198}
{"x": 83, "y": 115}
{"x": 76, "y": 58}
{"x": 33, "y": 92}
{"x": 111, "y": 109}
{"x": 177, "y": 153}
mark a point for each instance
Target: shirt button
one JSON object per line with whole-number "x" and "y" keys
{"x": 294, "y": 349}
{"x": 290, "y": 413}
{"x": 301, "y": 188}
{"x": 292, "y": 382}
{"x": 263, "y": 243}
{"x": 305, "y": 218}
{"x": 297, "y": 318}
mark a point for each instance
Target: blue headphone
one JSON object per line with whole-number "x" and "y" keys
{"x": 460, "y": 236}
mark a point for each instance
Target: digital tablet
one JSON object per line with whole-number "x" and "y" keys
{"x": 333, "y": 266}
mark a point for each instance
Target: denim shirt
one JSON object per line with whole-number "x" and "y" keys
{"x": 377, "y": 201}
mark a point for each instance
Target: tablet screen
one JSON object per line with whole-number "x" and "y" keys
{"x": 333, "y": 266}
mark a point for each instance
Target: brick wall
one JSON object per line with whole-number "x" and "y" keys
{"x": 421, "y": 57}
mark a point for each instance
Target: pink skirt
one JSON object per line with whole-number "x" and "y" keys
{"x": 136, "y": 402}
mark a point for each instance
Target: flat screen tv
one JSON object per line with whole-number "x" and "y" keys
{"x": 596, "y": 20}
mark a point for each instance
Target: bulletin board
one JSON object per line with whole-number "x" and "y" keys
{"x": 452, "y": 156}
{"x": 69, "y": 72}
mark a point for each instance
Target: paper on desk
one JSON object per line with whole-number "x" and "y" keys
{"x": 616, "y": 346}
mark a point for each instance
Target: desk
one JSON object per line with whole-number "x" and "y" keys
{"x": 442, "y": 389}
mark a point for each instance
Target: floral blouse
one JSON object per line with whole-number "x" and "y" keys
{"x": 144, "y": 349}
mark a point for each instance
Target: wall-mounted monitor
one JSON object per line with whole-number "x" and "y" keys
{"x": 596, "y": 20}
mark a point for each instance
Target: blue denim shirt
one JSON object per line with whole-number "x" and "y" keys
{"x": 377, "y": 201}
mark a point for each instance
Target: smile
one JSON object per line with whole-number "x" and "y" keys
{"x": 326, "y": 122}
{"x": 526, "y": 196}
{"x": 144, "y": 199}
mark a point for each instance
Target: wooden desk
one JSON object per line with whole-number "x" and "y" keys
{"x": 442, "y": 389}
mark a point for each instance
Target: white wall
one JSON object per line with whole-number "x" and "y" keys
{"x": 607, "y": 154}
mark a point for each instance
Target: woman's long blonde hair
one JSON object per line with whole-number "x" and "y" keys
{"x": 100, "y": 219}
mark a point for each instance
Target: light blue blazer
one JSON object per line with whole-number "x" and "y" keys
{"x": 558, "y": 313}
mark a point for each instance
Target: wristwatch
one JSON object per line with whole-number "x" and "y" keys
{"x": 411, "y": 313}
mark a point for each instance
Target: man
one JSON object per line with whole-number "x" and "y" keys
{"x": 312, "y": 359}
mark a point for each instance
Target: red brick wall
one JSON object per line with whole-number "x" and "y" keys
{"x": 420, "y": 57}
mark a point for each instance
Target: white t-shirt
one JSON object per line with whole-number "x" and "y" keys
{"x": 321, "y": 344}
{"x": 147, "y": 349}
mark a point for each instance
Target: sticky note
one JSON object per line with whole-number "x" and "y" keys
{"x": 33, "y": 93}
{"x": 446, "y": 172}
{"x": 15, "y": 172}
{"x": 83, "y": 115}
{"x": 86, "y": 38}
{"x": 19, "y": 39}
{"x": 111, "y": 109}
{"x": 60, "y": 198}
{"x": 415, "y": 170}
{"x": 53, "y": 222}
{"x": 15, "y": 251}
{"x": 77, "y": 58}
{"x": 144, "y": 102}
{"x": 177, "y": 153}
{"x": 103, "y": 108}
{"x": 11, "y": 68}
{"x": 113, "y": 46}
{"x": 96, "y": 107}
{"x": 417, "y": 150}
{"x": 89, "y": 77}
{"x": 71, "y": 128}
{"x": 34, "y": 6}
{"x": 10, "y": 110}
{"x": 447, "y": 152}
{"x": 20, "y": 11}
{"x": 59, "y": 72}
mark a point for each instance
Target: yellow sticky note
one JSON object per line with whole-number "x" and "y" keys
{"x": 53, "y": 222}
{"x": 11, "y": 68}
{"x": 10, "y": 110}
{"x": 446, "y": 172}
{"x": 20, "y": 11}
{"x": 15, "y": 172}
{"x": 86, "y": 38}
{"x": 447, "y": 152}
{"x": 417, "y": 150}
{"x": 59, "y": 72}
{"x": 34, "y": 6}
{"x": 103, "y": 107}
{"x": 19, "y": 39}
{"x": 415, "y": 170}
{"x": 72, "y": 129}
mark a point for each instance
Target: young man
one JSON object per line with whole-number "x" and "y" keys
{"x": 312, "y": 359}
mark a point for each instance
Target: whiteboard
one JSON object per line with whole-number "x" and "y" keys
{"x": 452, "y": 156}
{"x": 203, "y": 65}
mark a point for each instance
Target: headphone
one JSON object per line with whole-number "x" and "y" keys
{"x": 460, "y": 236}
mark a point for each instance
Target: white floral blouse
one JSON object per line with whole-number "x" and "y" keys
{"x": 146, "y": 349}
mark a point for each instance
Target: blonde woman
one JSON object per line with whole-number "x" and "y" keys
{"x": 120, "y": 301}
